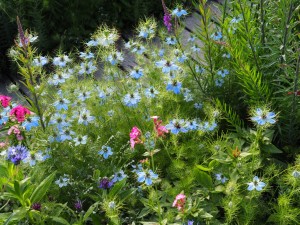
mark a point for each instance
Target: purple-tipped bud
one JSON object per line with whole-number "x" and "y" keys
{"x": 23, "y": 39}
{"x": 36, "y": 206}
{"x": 167, "y": 17}
{"x": 105, "y": 183}
{"x": 78, "y": 205}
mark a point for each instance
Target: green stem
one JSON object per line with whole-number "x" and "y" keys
{"x": 262, "y": 18}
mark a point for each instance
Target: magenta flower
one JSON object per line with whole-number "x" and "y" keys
{"x": 159, "y": 129}
{"x": 167, "y": 17}
{"x": 5, "y": 100}
{"x": 19, "y": 112}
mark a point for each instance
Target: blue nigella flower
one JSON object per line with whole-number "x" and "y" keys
{"x": 176, "y": 126}
{"x": 115, "y": 58}
{"x": 216, "y": 36}
{"x": 59, "y": 120}
{"x": 139, "y": 49}
{"x": 61, "y": 61}
{"x": 151, "y": 92}
{"x": 174, "y": 86}
{"x": 32, "y": 159}
{"x": 84, "y": 95}
{"x": 221, "y": 177}
{"x": 296, "y": 174}
{"x": 199, "y": 69}
{"x": 85, "y": 117}
{"x": 65, "y": 134}
{"x": 223, "y": 72}
{"x": 87, "y": 68}
{"x": 262, "y": 117}
{"x": 119, "y": 176}
{"x": 167, "y": 66}
{"x": 4, "y": 117}
{"x": 92, "y": 43}
{"x": 195, "y": 48}
{"x": 137, "y": 73}
{"x": 171, "y": 41}
{"x": 198, "y": 105}
{"x": 144, "y": 33}
{"x": 146, "y": 177}
{"x": 105, "y": 151}
{"x": 219, "y": 82}
{"x": 179, "y": 12}
{"x": 192, "y": 125}
{"x": 256, "y": 184}
{"x": 61, "y": 103}
{"x": 86, "y": 55}
{"x": 40, "y": 61}
{"x": 30, "y": 122}
{"x": 17, "y": 153}
{"x": 132, "y": 99}
{"x": 80, "y": 140}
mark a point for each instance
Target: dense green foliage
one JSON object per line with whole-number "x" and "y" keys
{"x": 91, "y": 149}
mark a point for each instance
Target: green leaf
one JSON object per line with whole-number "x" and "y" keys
{"x": 60, "y": 220}
{"x": 203, "y": 178}
{"x": 203, "y": 168}
{"x": 16, "y": 216}
{"x": 144, "y": 212}
{"x": 3, "y": 171}
{"x": 117, "y": 188}
{"x": 42, "y": 189}
{"x": 272, "y": 149}
{"x": 89, "y": 211}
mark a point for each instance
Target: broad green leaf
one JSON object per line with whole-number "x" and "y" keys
{"x": 272, "y": 149}
{"x": 60, "y": 220}
{"x": 42, "y": 189}
{"x": 203, "y": 168}
{"x": 89, "y": 211}
{"x": 117, "y": 188}
{"x": 203, "y": 178}
{"x": 16, "y": 216}
{"x": 3, "y": 171}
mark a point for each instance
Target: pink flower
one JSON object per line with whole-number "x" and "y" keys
{"x": 5, "y": 100}
{"x": 135, "y": 135}
{"x": 3, "y": 144}
{"x": 159, "y": 129}
{"x": 179, "y": 201}
{"x": 19, "y": 112}
{"x": 15, "y": 129}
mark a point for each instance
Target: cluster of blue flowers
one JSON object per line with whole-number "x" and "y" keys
{"x": 177, "y": 126}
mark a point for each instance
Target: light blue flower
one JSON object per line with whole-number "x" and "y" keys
{"x": 80, "y": 140}
{"x": 87, "y": 68}
{"x": 105, "y": 151}
{"x": 223, "y": 72}
{"x": 61, "y": 103}
{"x": 115, "y": 58}
{"x": 195, "y": 48}
{"x": 85, "y": 117}
{"x": 65, "y": 134}
{"x": 40, "y": 61}
{"x": 174, "y": 86}
{"x": 63, "y": 181}
{"x": 171, "y": 41}
{"x": 139, "y": 49}
{"x": 179, "y": 12}
{"x": 151, "y": 92}
{"x": 198, "y": 105}
{"x": 296, "y": 174}
{"x": 93, "y": 43}
{"x": 4, "y": 117}
{"x": 221, "y": 177}
{"x": 167, "y": 66}
{"x": 262, "y": 117}
{"x": 132, "y": 99}
{"x": 119, "y": 176}
{"x": 216, "y": 36}
{"x": 146, "y": 176}
{"x": 144, "y": 33}
{"x": 256, "y": 184}
{"x": 84, "y": 95}
{"x": 86, "y": 55}
{"x": 59, "y": 120}
{"x": 61, "y": 61}
{"x": 192, "y": 125}
{"x": 176, "y": 126}
{"x": 136, "y": 73}
{"x": 32, "y": 159}
{"x": 226, "y": 55}
{"x": 31, "y": 122}
{"x": 219, "y": 82}
{"x": 199, "y": 69}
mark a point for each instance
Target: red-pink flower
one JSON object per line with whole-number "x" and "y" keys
{"x": 15, "y": 129}
{"x": 179, "y": 202}
{"x": 135, "y": 135}
{"x": 5, "y": 100}
{"x": 159, "y": 129}
{"x": 19, "y": 112}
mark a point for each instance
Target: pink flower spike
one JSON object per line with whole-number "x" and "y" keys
{"x": 160, "y": 130}
{"x": 19, "y": 112}
{"x": 135, "y": 135}
{"x": 5, "y": 100}
{"x": 179, "y": 201}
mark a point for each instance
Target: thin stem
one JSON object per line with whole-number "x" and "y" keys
{"x": 262, "y": 18}
{"x": 247, "y": 33}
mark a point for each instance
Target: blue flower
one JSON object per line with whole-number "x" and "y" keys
{"x": 105, "y": 183}
{"x": 137, "y": 73}
{"x": 87, "y": 68}
{"x": 174, "y": 86}
{"x": 146, "y": 177}
{"x": 59, "y": 120}
{"x": 86, "y": 55}
{"x": 30, "y": 122}
{"x": 216, "y": 36}
{"x": 198, "y": 105}
{"x": 177, "y": 126}
{"x": 144, "y": 33}
{"x": 199, "y": 69}
{"x": 119, "y": 176}
{"x": 219, "y": 82}
{"x": 84, "y": 95}
{"x": 17, "y": 153}
{"x": 223, "y": 72}
{"x": 33, "y": 158}
{"x": 262, "y": 117}
{"x": 192, "y": 125}
{"x": 61, "y": 103}
{"x": 256, "y": 184}
{"x": 296, "y": 174}
{"x": 80, "y": 140}
{"x": 105, "y": 151}
{"x": 195, "y": 48}
{"x": 132, "y": 99}
{"x": 139, "y": 49}
{"x": 40, "y": 61}
{"x": 115, "y": 58}
{"x": 61, "y": 61}
{"x": 171, "y": 41}
{"x": 221, "y": 177}
{"x": 65, "y": 134}
{"x": 92, "y": 43}
{"x": 85, "y": 117}
{"x": 167, "y": 66}
{"x": 151, "y": 92}
{"x": 179, "y": 12}
{"x": 4, "y": 117}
